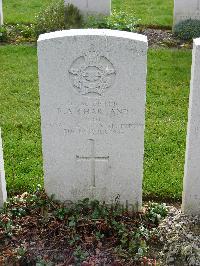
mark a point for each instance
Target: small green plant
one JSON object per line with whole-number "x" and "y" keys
{"x": 187, "y": 29}
{"x": 72, "y": 17}
{"x": 43, "y": 263}
{"x": 17, "y": 33}
{"x": 98, "y": 22}
{"x": 119, "y": 20}
{"x": 26, "y": 31}
{"x": 7, "y": 225}
{"x": 21, "y": 251}
{"x": 80, "y": 255}
{"x": 57, "y": 17}
{"x": 3, "y": 34}
{"x": 157, "y": 212}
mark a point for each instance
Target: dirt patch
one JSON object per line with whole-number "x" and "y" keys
{"x": 164, "y": 38}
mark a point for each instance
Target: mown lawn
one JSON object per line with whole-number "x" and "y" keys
{"x": 166, "y": 121}
{"x": 166, "y": 116}
{"x": 19, "y": 117}
{"x": 22, "y": 11}
{"x": 154, "y": 12}
{"x": 151, "y": 12}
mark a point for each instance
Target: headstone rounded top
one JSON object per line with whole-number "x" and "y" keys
{"x": 92, "y": 32}
{"x": 197, "y": 41}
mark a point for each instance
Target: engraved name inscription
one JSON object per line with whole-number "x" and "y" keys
{"x": 97, "y": 117}
{"x": 101, "y": 129}
{"x": 195, "y": 14}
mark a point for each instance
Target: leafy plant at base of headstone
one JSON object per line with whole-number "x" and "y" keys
{"x": 21, "y": 251}
{"x": 80, "y": 255}
{"x": 187, "y": 29}
{"x": 23, "y": 32}
{"x": 156, "y": 212}
{"x": 79, "y": 228}
{"x": 7, "y": 226}
{"x": 119, "y": 20}
{"x": 72, "y": 17}
{"x": 57, "y": 16}
{"x": 98, "y": 22}
{"x": 3, "y": 34}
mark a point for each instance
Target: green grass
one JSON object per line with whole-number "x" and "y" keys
{"x": 154, "y": 12}
{"x": 166, "y": 119}
{"x": 19, "y": 117}
{"x": 22, "y": 11}
{"x": 166, "y": 116}
{"x": 151, "y": 12}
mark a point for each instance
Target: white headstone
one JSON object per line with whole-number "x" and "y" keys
{"x": 92, "y": 92}
{"x": 3, "y": 193}
{"x": 92, "y": 7}
{"x": 186, "y": 9}
{"x": 191, "y": 192}
{"x": 1, "y": 13}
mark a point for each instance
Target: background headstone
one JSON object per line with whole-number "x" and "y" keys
{"x": 92, "y": 93}
{"x": 186, "y": 9}
{"x": 191, "y": 192}
{"x": 92, "y": 7}
{"x": 1, "y": 13}
{"x": 3, "y": 193}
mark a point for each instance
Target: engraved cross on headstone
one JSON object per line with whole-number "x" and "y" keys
{"x": 93, "y": 158}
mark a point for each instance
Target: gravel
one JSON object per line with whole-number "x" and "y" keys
{"x": 181, "y": 235}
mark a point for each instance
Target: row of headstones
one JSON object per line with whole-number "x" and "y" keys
{"x": 92, "y": 94}
{"x": 183, "y": 9}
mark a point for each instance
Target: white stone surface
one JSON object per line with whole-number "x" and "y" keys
{"x": 92, "y": 7}
{"x": 92, "y": 93}
{"x": 186, "y": 9}
{"x": 3, "y": 193}
{"x": 1, "y": 13}
{"x": 191, "y": 190}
